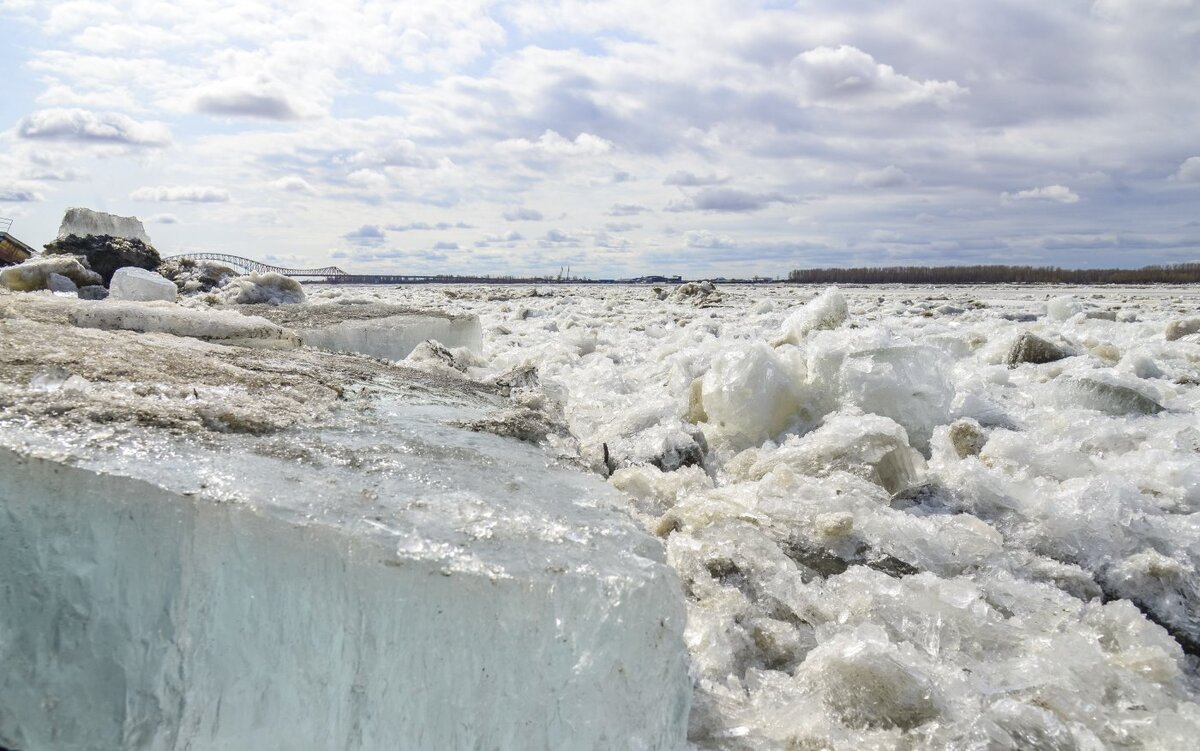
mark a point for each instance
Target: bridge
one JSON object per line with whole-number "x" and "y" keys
{"x": 249, "y": 264}
{"x": 335, "y": 275}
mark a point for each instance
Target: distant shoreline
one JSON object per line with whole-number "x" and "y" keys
{"x": 1184, "y": 273}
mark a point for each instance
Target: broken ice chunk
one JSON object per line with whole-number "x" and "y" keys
{"x": 825, "y": 311}
{"x": 1030, "y": 348}
{"x": 60, "y": 283}
{"x": 1110, "y": 398}
{"x": 1179, "y": 329}
{"x": 749, "y": 395}
{"x": 132, "y": 283}
{"x": 905, "y": 383}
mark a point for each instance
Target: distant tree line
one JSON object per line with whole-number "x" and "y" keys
{"x": 1181, "y": 273}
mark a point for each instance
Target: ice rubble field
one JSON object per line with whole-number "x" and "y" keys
{"x": 888, "y": 537}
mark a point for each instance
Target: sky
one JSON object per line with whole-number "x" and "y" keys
{"x": 699, "y": 138}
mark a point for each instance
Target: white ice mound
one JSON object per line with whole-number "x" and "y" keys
{"x": 35, "y": 273}
{"x": 268, "y": 288}
{"x": 84, "y": 222}
{"x": 132, "y": 283}
{"x": 224, "y": 327}
{"x": 826, "y": 311}
{"x": 750, "y": 394}
{"x": 907, "y": 383}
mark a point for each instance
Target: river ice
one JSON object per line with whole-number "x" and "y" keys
{"x": 900, "y": 518}
{"x": 890, "y": 533}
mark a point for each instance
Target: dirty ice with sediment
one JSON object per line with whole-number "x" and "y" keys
{"x": 896, "y": 517}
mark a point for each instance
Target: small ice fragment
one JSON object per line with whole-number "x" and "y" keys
{"x": 1062, "y": 308}
{"x": 60, "y": 283}
{"x": 132, "y": 283}
{"x": 826, "y": 311}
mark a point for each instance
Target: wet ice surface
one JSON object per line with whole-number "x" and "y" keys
{"x": 898, "y": 525}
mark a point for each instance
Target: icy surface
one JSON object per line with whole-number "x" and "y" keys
{"x": 84, "y": 222}
{"x": 132, "y": 283}
{"x": 888, "y": 537}
{"x": 205, "y": 546}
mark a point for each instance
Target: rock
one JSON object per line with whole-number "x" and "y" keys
{"x": 35, "y": 273}
{"x": 196, "y": 277}
{"x": 268, "y": 288}
{"x": 106, "y": 253}
{"x": 60, "y": 283}
{"x": 1030, "y": 348}
{"x": 93, "y": 292}
{"x": 132, "y": 283}
{"x": 967, "y": 438}
{"x": 1179, "y": 329}
{"x": 84, "y": 222}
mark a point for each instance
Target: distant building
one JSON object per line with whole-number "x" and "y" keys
{"x": 12, "y": 250}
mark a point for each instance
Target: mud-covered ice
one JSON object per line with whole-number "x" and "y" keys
{"x": 207, "y": 546}
{"x": 960, "y": 518}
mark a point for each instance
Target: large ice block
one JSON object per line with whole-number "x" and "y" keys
{"x": 266, "y": 549}
{"x": 132, "y": 283}
{"x": 389, "y": 332}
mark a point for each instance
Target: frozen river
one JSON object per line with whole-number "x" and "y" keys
{"x": 897, "y": 518}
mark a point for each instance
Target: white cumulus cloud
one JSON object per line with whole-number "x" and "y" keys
{"x": 1055, "y": 193}
{"x": 1189, "y": 171}
{"x": 86, "y": 126}
{"x": 846, "y": 76}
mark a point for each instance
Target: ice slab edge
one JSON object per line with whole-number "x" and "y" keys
{"x": 135, "y": 617}
{"x": 394, "y": 337}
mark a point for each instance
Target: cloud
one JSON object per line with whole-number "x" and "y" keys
{"x": 685, "y": 179}
{"x": 522, "y": 215}
{"x": 727, "y": 200}
{"x": 889, "y": 177}
{"x": 445, "y": 245}
{"x": 85, "y": 126}
{"x": 621, "y": 226}
{"x": 14, "y": 194}
{"x": 182, "y": 193}
{"x": 556, "y": 238}
{"x": 366, "y": 236}
{"x": 626, "y": 209}
{"x": 426, "y": 226}
{"x": 1189, "y": 171}
{"x": 257, "y": 97}
{"x": 551, "y": 144}
{"x": 1055, "y": 193}
{"x": 705, "y": 239}
{"x": 294, "y": 184}
{"x": 163, "y": 219}
{"x": 845, "y": 76}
